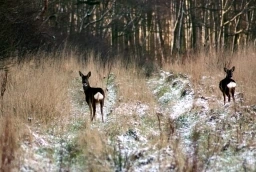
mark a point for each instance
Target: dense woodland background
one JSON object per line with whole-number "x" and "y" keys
{"x": 146, "y": 29}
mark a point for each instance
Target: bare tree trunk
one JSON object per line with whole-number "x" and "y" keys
{"x": 160, "y": 36}
{"x": 177, "y": 42}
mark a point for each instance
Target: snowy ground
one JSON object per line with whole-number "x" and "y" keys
{"x": 176, "y": 99}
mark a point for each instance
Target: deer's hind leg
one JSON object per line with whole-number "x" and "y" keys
{"x": 101, "y": 108}
{"x": 228, "y": 94}
{"x": 233, "y": 96}
{"x": 233, "y": 93}
{"x": 94, "y": 109}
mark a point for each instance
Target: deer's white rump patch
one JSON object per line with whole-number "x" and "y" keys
{"x": 98, "y": 96}
{"x": 231, "y": 85}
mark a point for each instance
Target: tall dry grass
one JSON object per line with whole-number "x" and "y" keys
{"x": 36, "y": 96}
{"x": 132, "y": 84}
{"x": 94, "y": 150}
{"x": 211, "y": 64}
{"x": 37, "y": 91}
{"x": 245, "y": 73}
{"x": 10, "y": 131}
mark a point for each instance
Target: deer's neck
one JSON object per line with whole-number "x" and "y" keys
{"x": 86, "y": 88}
{"x": 228, "y": 77}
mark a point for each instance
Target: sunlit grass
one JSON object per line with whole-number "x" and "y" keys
{"x": 211, "y": 64}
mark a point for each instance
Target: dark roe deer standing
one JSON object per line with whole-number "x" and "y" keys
{"x": 92, "y": 95}
{"x": 228, "y": 85}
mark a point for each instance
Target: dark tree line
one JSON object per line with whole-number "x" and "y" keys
{"x": 159, "y": 29}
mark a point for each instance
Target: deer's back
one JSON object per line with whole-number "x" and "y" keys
{"x": 92, "y": 91}
{"x": 223, "y": 83}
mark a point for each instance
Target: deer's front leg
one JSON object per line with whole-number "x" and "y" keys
{"x": 228, "y": 97}
{"x": 224, "y": 98}
{"x": 90, "y": 108}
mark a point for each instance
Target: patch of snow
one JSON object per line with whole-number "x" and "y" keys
{"x": 203, "y": 103}
{"x": 182, "y": 106}
{"x": 178, "y": 97}
{"x": 132, "y": 108}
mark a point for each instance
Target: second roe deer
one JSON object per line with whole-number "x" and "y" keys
{"x": 92, "y": 95}
{"x": 228, "y": 85}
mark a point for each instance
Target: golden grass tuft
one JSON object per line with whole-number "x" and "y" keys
{"x": 245, "y": 72}
{"x": 92, "y": 144}
{"x": 10, "y": 136}
{"x": 38, "y": 92}
{"x": 132, "y": 84}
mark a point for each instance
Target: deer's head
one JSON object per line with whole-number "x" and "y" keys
{"x": 229, "y": 72}
{"x": 85, "y": 78}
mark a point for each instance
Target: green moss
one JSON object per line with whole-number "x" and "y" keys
{"x": 182, "y": 121}
{"x": 110, "y": 79}
{"x": 149, "y": 122}
{"x": 162, "y": 90}
{"x": 73, "y": 151}
{"x": 45, "y": 151}
{"x": 113, "y": 130}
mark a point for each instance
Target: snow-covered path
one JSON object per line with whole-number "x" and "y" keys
{"x": 138, "y": 142}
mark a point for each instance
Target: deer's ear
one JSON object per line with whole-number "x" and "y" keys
{"x": 80, "y": 73}
{"x": 233, "y": 68}
{"x": 225, "y": 69}
{"x": 89, "y": 74}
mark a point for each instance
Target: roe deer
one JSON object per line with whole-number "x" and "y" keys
{"x": 92, "y": 95}
{"x": 228, "y": 85}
